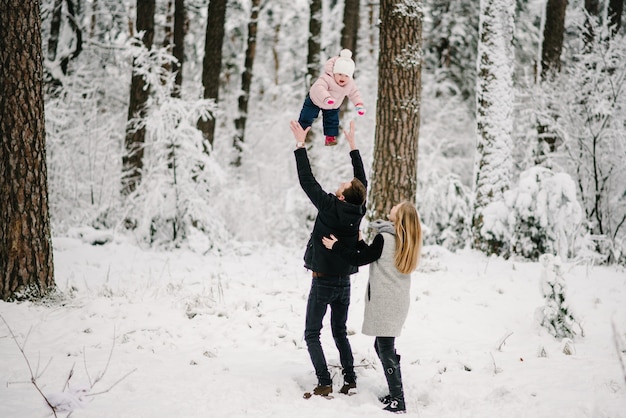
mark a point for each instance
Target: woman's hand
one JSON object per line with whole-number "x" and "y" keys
{"x": 329, "y": 242}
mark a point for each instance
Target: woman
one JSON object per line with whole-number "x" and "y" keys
{"x": 393, "y": 254}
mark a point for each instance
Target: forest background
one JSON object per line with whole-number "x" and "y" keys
{"x": 246, "y": 189}
{"x": 518, "y": 109}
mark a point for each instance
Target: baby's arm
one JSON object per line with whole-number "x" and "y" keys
{"x": 320, "y": 95}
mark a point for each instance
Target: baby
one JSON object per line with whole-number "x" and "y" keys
{"x": 327, "y": 94}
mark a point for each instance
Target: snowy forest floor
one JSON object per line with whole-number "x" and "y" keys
{"x": 179, "y": 334}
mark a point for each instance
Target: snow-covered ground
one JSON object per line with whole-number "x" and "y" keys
{"x": 179, "y": 334}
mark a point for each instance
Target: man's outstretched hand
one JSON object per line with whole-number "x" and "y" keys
{"x": 350, "y": 136}
{"x": 298, "y": 132}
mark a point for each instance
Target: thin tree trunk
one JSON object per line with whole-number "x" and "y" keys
{"x": 592, "y": 7}
{"x": 179, "y": 44}
{"x": 553, "y": 37}
{"x": 349, "y": 34}
{"x": 314, "y": 43}
{"x": 132, "y": 161}
{"x": 168, "y": 34}
{"x": 350, "y": 30}
{"x": 246, "y": 81}
{"x": 26, "y": 258}
{"x": 93, "y": 21}
{"x": 550, "y": 65}
{"x": 212, "y": 65}
{"x": 494, "y": 97}
{"x": 55, "y": 27}
{"x": 616, "y": 8}
{"x": 394, "y": 177}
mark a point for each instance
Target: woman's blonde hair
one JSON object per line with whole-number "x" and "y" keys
{"x": 408, "y": 238}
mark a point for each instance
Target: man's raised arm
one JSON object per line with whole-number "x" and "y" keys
{"x": 357, "y": 163}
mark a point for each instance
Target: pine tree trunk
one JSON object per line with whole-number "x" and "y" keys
{"x": 350, "y": 30}
{"x": 55, "y": 27}
{"x": 553, "y": 37}
{"x": 212, "y": 64}
{"x": 315, "y": 43}
{"x": 26, "y": 259}
{"x": 592, "y": 7}
{"x": 246, "y": 81}
{"x": 168, "y": 34}
{"x": 494, "y": 99}
{"x": 616, "y": 8}
{"x": 93, "y": 21}
{"x": 349, "y": 34}
{"x": 394, "y": 177}
{"x": 179, "y": 44}
{"x": 132, "y": 161}
{"x": 550, "y": 65}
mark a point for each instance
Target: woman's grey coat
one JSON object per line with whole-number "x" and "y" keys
{"x": 387, "y": 297}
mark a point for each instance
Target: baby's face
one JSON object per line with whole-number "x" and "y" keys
{"x": 341, "y": 79}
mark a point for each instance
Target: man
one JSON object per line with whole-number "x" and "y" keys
{"x": 340, "y": 214}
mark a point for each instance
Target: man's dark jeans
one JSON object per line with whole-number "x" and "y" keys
{"x": 325, "y": 291}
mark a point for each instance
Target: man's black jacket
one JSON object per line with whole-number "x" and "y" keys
{"x": 334, "y": 216}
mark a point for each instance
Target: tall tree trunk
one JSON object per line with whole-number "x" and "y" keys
{"x": 93, "y": 21}
{"x": 553, "y": 37}
{"x": 179, "y": 44}
{"x": 246, "y": 81}
{"x": 168, "y": 33}
{"x": 616, "y": 8}
{"x": 398, "y": 110}
{"x": 132, "y": 161}
{"x": 350, "y": 29}
{"x": 494, "y": 98}
{"x": 55, "y": 27}
{"x": 315, "y": 42}
{"x": 349, "y": 34}
{"x": 26, "y": 262}
{"x": 550, "y": 65}
{"x": 212, "y": 65}
{"x": 592, "y": 7}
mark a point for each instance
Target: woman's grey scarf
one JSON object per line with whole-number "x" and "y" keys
{"x": 381, "y": 225}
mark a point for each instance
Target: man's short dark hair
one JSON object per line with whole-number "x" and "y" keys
{"x": 356, "y": 193}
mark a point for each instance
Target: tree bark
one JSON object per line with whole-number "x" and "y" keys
{"x": 26, "y": 259}
{"x": 592, "y": 7}
{"x": 246, "y": 82}
{"x": 350, "y": 30}
{"x": 314, "y": 43}
{"x": 616, "y": 8}
{"x": 55, "y": 27}
{"x": 132, "y": 161}
{"x": 394, "y": 177}
{"x": 494, "y": 98}
{"x": 212, "y": 65}
{"x": 553, "y": 37}
{"x": 180, "y": 17}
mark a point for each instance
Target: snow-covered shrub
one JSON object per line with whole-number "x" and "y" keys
{"x": 545, "y": 213}
{"x": 495, "y": 229}
{"x": 174, "y": 195}
{"x": 585, "y": 108}
{"x": 556, "y": 316}
{"x": 541, "y": 215}
{"x": 84, "y": 130}
{"x": 445, "y": 208}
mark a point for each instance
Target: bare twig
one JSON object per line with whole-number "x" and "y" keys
{"x": 496, "y": 369}
{"x": 106, "y": 367}
{"x": 617, "y": 348}
{"x": 33, "y": 379}
{"x": 67, "y": 381}
{"x": 114, "y": 384}
{"x": 503, "y": 341}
